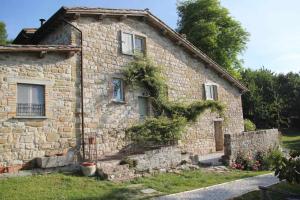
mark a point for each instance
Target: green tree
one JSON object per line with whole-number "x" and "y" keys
{"x": 273, "y": 100}
{"x": 210, "y": 27}
{"x": 3, "y": 34}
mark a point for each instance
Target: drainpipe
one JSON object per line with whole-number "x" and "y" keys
{"x": 81, "y": 82}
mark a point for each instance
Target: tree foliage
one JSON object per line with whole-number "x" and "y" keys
{"x": 210, "y": 27}
{"x": 273, "y": 100}
{"x": 3, "y": 34}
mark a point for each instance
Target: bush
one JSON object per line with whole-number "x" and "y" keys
{"x": 159, "y": 130}
{"x": 261, "y": 161}
{"x": 271, "y": 160}
{"x": 130, "y": 162}
{"x": 289, "y": 168}
{"x": 249, "y": 125}
{"x": 244, "y": 162}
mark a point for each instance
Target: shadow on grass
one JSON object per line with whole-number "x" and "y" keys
{"x": 119, "y": 193}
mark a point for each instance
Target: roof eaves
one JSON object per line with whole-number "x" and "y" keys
{"x": 38, "y": 48}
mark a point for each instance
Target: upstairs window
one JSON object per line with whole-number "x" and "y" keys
{"x": 132, "y": 44}
{"x": 30, "y": 100}
{"x": 118, "y": 90}
{"x": 211, "y": 92}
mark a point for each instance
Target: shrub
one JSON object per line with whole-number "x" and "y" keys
{"x": 289, "y": 168}
{"x": 130, "y": 162}
{"x": 249, "y": 125}
{"x": 261, "y": 161}
{"x": 244, "y": 162}
{"x": 272, "y": 158}
{"x": 159, "y": 130}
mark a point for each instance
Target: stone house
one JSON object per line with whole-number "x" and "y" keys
{"x": 68, "y": 72}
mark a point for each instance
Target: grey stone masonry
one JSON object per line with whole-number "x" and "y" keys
{"x": 250, "y": 143}
{"x": 162, "y": 158}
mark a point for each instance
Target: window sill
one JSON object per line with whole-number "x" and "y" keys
{"x": 118, "y": 102}
{"x": 30, "y": 117}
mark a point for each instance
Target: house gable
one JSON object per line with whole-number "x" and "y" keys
{"x": 144, "y": 15}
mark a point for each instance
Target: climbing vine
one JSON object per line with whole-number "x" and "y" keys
{"x": 169, "y": 117}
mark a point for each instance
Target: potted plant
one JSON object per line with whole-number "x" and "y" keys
{"x": 88, "y": 168}
{"x": 2, "y": 170}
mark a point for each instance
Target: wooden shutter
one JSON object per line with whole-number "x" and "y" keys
{"x": 208, "y": 95}
{"x": 127, "y": 43}
{"x": 215, "y": 89}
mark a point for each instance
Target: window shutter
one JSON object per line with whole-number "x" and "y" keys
{"x": 143, "y": 107}
{"x": 215, "y": 88}
{"x": 207, "y": 92}
{"x": 127, "y": 43}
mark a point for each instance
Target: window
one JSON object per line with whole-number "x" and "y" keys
{"x": 211, "y": 92}
{"x": 143, "y": 107}
{"x": 30, "y": 100}
{"x": 132, "y": 43}
{"x": 139, "y": 44}
{"x": 118, "y": 90}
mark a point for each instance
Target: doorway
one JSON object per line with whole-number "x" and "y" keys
{"x": 219, "y": 136}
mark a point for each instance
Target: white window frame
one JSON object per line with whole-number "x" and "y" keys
{"x": 30, "y": 100}
{"x": 132, "y": 43}
{"x": 121, "y": 90}
{"x": 212, "y": 89}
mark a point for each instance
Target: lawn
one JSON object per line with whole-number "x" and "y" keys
{"x": 74, "y": 187}
{"x": 274, "y": 196}
{"x": 291, "y": 139}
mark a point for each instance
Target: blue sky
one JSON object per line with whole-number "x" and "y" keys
{"x": 273, "y": 24}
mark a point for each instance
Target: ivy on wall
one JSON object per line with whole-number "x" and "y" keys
{"x": 169, "y": 118}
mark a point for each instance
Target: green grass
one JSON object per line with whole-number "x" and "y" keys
{"x": 66, "y": 186}
{"x": 291, "y": 139}
{"x": 286, "y": 187}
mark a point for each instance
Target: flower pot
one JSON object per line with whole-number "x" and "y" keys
{"x": 88, "y": 168}
{"x": 2, "y": 170}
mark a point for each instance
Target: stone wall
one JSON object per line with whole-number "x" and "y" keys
{"x": 162, "y": 158}
{"x": 184, "y": 74}
{"x": 25, "y": 138}
{"x": 250, "y": 143}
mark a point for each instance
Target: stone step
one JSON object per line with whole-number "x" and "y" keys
{"x": 113, "y": 171}
{"x": 214, "y": 159}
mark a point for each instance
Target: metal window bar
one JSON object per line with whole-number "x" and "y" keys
{"x": 30, "y": 109}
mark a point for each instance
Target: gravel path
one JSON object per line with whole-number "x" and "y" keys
{"x": 225, "y": 190}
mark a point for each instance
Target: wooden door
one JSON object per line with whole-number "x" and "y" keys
{"x": 219, "y": 136}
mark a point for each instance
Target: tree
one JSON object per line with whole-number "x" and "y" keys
{"x": 273, "y": 100}
{"x": 3, "y": 34}
{"x": 210, "y": 27}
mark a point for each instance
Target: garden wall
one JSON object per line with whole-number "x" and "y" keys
{"x": 162, "y": 158}
{"x": 249, "y": 143}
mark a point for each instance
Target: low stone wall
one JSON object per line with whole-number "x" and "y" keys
{"x": 162, "y": 158}
{"x": 250, "y": 143}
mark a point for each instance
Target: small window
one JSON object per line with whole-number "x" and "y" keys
{"x": 132, "y": 44}
{"x": 30, "y": 100}
{"x": 144, "y": 110}
{"x": 211, "y": 92}
{"x": 118, "y": 90}
{"x": 139, "y": 44}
